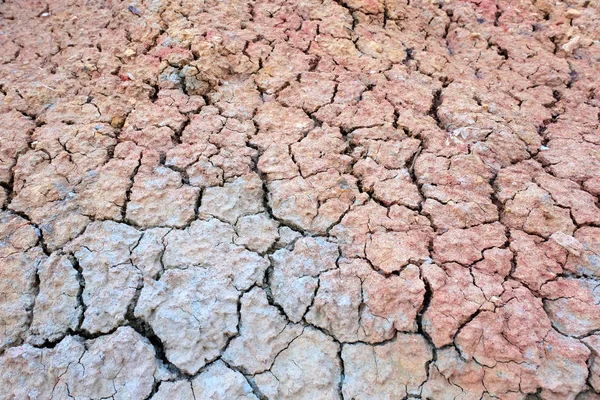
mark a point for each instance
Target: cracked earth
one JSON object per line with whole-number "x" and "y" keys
{"x": 300, "y": 199}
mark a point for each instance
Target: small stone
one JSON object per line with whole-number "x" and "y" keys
{"x": 568, "y": 242}
{"x": 572, "y": 13}
{"x": 117, "y": 121}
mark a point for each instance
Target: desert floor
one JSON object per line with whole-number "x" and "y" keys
{"x": 300, "y": 199}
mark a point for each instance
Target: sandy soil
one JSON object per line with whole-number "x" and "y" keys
{"x": 296, "y": 199}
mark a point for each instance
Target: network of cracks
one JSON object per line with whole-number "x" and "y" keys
{"x": 300, "y": 199}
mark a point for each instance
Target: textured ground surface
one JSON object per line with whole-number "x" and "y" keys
{"x": 269, "y": 199}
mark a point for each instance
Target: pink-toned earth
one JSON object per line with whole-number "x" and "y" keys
{"x": 300, "y": 199}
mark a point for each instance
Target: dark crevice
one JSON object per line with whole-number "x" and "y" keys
{"x": 144, "y": 329}
{"x": 435, "y": 104}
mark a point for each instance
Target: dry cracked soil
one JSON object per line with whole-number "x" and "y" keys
{"x": 300, "y": 199}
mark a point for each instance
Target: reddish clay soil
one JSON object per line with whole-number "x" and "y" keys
{"x": 300, "y": 199}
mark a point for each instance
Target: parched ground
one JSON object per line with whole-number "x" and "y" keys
{"x": 296, "y": 199}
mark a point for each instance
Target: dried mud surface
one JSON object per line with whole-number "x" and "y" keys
{"x": 296, "y": 199}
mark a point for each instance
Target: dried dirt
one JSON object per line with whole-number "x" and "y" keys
{"x": 300, "y": 199}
